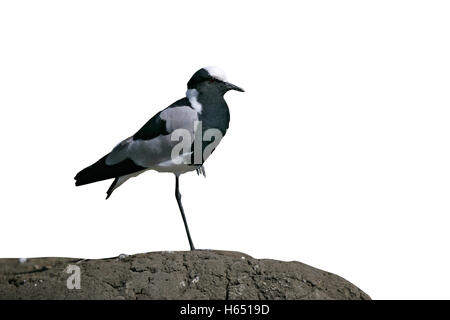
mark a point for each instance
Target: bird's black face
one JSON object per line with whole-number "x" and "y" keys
{"x": 211, "y": 80}
{"x": 217, "y": 85}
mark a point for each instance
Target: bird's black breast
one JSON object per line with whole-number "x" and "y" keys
{"x": 215, "y": 114}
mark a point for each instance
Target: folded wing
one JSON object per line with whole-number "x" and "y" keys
{"x": 147, "y": 148}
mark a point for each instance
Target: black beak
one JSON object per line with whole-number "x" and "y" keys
{"x": 230, "y": 86}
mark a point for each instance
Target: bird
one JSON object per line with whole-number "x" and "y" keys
{"x": 177, "y": 139}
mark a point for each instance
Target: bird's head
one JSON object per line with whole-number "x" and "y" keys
{"x": 211, "y": 80}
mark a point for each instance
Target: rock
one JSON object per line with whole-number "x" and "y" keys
{"x": 200, "y": 274}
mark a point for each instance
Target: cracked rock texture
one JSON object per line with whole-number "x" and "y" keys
{"x": 199, "y": 274}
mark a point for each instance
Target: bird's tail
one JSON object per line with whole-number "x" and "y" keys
{"x": 97, "y": 172}
{"x": 101, "y": 171}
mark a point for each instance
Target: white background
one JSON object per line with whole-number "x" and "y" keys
{"x": 337, "y": 154}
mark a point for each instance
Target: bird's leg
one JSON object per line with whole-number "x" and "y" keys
{"x": 180, "y": 205}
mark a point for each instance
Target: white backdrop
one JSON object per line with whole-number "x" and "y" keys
{"x": 337, "y": 154}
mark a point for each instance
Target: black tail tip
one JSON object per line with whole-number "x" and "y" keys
{"x": 79, "y": 182}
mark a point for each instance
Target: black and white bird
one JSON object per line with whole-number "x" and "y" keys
{"x": 177, "y": 139}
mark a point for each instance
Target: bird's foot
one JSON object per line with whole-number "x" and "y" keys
{"x": 201, "y": 170}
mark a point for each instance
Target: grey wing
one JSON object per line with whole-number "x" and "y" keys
{"x": 153, "y": 143}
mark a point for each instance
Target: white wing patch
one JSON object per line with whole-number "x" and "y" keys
{"x": 119, "y": 153}
{"x": 179, "y": 118}
{"x": 154, "y": 152}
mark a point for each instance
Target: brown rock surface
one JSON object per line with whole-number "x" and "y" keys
{"x": 199, "y": 274}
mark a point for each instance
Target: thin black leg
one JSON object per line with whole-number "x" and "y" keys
{"x": 180, "y": 205}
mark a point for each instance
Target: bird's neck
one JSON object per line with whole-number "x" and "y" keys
{"x": 202, "y": 100}
{"x": 212, "y": 109}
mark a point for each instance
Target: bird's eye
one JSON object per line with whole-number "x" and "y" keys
{"x": 212, "y": 80}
